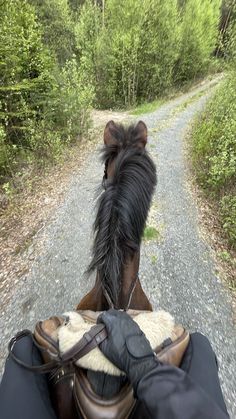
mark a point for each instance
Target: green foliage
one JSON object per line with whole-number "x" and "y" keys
{"x": 228, "y": 215}
{"x": 57, "y": 23}
{"x": 230, "y": 46}
{"x": 199, "y": 27}
{"x": 73, "y": 100}
{"x": 60, "y": 57}
{"x": 226, "y": 39}
{"x": 214, "y": 142}
{"x": 25, "y": 67}
{"x": 43, "y": 143}
{"x": 214, "y": 152}
{"x": 4, "y": 150}
{"x": 150, "y": 233}
{"x": 159, "y": 48}
{"x": 43, "y": 105}
{"x": 140, "y": 40}
{"x": 224, "y": 255}
{"x": 135, "y": 50}
{"x": 86, "y": 35}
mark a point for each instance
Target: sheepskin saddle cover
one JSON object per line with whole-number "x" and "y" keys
{"x": 157, "y": 326}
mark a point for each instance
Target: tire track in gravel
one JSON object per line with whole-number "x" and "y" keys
{"x": 180, "y": 278}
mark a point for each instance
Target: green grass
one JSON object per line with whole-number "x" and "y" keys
{"x": 150, "y": 233}
{"x": 154, "y": 259}
{"x": 147, "y": 107}
{"x": 224, "y": 255}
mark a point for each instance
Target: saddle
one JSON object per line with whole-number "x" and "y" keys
{"x": 69, "y": 348}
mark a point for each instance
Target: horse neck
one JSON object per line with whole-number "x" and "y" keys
{"x": 131, "y": 294}
{"x": 129, "y": 280}
{"x": 138, "y": 299}
{"x": 97, "y": 301}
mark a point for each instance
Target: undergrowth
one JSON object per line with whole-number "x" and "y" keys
{"x": 214, "y": 154}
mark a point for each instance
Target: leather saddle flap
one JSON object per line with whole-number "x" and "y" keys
{"x": 93, "y": 406}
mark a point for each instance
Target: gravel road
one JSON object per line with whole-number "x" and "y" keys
{"x": 177, "y": 271}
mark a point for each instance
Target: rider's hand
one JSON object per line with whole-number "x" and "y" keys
{"x": 126, "y": 345}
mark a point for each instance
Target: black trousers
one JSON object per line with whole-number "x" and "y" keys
{"x": 201, "y": 364}
{"x": 25, "y": 395}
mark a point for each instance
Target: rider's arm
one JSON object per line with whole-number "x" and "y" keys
{"x": 168, "y": 392}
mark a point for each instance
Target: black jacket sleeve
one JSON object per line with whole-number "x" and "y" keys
{"x": 169, "y": 393}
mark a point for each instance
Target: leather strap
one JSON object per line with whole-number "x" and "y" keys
{"x": 42, "y": 369}
{"x": 130, "y": 294}
{"x": 96, "y": 335}
{"x": 89, "y": 341}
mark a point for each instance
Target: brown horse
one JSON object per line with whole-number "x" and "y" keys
{"x": 129, "y": 182}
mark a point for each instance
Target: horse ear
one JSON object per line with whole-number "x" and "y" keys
{"x": 141, "y": 134}
{"x": 109, "y": 138}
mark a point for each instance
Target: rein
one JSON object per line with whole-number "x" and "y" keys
{"x": 90, "y": 340}
{"x": 42, "y": 369}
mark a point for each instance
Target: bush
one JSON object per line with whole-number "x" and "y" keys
{"x": 214, "y": 142}
{"x": 4, "y": 151}
{"x": 159, "y": 48}
{"x": 199, "y": 26}
{"x": 214, "y": 152}
{"x": 73, "y": 102}
{"x": 25, "y": 70}
{"x": 228, "y": 215}
{"x": 44, "y": 101}
{"x": 134, "y": 50}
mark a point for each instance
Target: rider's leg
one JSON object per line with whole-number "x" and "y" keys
{"x": 201, "y": 364}
{"x": 24, "y": 394}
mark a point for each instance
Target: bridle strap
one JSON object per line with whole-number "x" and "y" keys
{"x": 131, "y": 292}
{"x": 108, "y": 298}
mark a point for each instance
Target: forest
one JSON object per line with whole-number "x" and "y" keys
{"x": 61, "y": 58}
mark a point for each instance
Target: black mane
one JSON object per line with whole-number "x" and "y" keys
{"x": 122, "y": 209}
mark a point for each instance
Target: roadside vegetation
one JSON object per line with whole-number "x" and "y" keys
{"x": 60, "y": 58}
{"x": 214, "y": 145}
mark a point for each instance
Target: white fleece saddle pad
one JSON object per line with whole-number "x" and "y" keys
{"x": 157, "y": 326}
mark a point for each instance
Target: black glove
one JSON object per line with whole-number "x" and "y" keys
{"x": 126, "y": 345}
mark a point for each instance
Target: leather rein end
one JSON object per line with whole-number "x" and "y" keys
{"x": 90, "y": 340}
